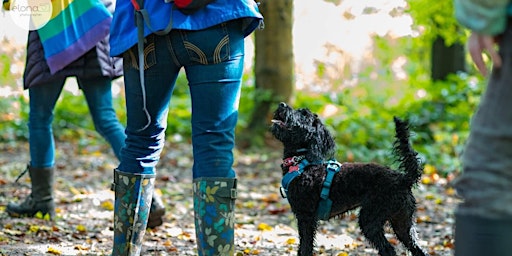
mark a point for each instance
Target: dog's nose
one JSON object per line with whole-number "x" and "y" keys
{"x": 282, "y": 105}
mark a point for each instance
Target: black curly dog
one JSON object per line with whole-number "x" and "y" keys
{"x": 383, "y": 195}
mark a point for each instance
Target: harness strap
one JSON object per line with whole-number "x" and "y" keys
{"x": 325, "y": 205}
{"x": 296, "y": 167}
{"x": 294, "y": 170}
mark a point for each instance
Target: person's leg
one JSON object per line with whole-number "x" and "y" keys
{"x": 484, "y": 218}
{"x": 42, "y": 100}
{"x": 215, "y": 84}
{"x": 146, "y": 110}
{"x": 98, "y": 94}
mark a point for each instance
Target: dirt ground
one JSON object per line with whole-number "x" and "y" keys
{"x": 265, "y": 224}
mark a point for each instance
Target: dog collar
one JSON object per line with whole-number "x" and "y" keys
{"x": 290, "y": 162}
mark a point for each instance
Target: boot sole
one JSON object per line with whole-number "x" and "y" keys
{"x": 28, "y": 215}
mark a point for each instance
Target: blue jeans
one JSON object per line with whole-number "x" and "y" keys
{"x": 43, "y": 98}
{"x": 213, "y": 61}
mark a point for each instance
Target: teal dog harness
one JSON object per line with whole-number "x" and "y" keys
{"x": 296, "y": 167}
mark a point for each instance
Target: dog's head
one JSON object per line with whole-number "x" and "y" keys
{"x": 301, "y": 130}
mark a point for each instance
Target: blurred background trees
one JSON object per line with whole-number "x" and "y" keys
{"x": 356, "y": 63}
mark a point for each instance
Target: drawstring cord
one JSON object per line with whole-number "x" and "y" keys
{"x": 141, "y": 15}
{"x": 140, "y": 48}
{"x": 22, "y": 173}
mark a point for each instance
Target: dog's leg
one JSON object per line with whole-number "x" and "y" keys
{"x": 403, "y": 226}
{"x": 307, "y": 231}
{"x": 372, "y": 226}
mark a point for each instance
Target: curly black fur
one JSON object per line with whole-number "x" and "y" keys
{"x": 382, "y": 194}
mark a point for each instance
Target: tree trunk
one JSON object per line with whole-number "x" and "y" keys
{"x": 446, "y": 59}
{"x": 274, "y": 64}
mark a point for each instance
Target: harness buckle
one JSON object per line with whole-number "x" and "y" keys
{"x": 283, "y": 192}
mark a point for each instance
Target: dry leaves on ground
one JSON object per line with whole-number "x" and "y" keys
{"x": 265, "y": 224}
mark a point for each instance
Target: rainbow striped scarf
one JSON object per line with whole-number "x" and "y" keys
{"x": 75, "y": 27}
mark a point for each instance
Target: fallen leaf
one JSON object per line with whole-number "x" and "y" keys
{"x": 264, "y": 227}
{"x": 74, "y": 191}
{"x": 33, "y": 228}
{"x": 53, "y": 250}
{"x": 430, "y": 197}
{"x": 450, "y": 191}
{"x": 426, "y": 180}
{"x": 107, "y": 205}
{"x": 291, "y": 241}
{"x": 271, "y": 198}
{"x": 429, "y": 169}
{"x": 277, "y": 210}
{"x": 81, "y": 228}
{"x": 81, "y": 247}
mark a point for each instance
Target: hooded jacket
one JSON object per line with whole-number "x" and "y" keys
{"x": 94, "y": 63}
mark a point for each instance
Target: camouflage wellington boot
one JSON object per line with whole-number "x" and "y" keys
{"x": 131, "y": 211}
{"x": 40, "y": 198}
{"x": 156, "y": 212}
{"x": 214, "y": 205}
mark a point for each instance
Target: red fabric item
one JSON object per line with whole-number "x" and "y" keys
{"x": 182, "y": 3}
{"x": 135, "y": 5}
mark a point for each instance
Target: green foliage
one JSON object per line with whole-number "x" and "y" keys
{"x": 13, "y": 113}
{"x": 364, "y": 129}
{"x": 360, "y": 115}
{"x": 436, "y": 18}
{"x": 248, "y": 94}
{"x": 72, "y": 120}
{"x": 442, "y": 118}
{"x": 6, "y": 64}
{"x": 180, "y": 110}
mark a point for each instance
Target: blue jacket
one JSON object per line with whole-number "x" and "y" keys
{"x": 123, "y": 31}
{"x": 488, "y": 17}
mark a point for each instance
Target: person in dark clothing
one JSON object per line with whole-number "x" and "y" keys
{"x": 483, "y": 223}
{"x": 94, "y": 71}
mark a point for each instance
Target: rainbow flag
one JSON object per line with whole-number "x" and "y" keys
{"x": 75, "y": 27}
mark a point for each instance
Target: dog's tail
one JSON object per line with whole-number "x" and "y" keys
{"x": 406, "y": 155}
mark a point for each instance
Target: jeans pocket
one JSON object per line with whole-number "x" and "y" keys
{"x": 209, "y": 46}
{"x": 131, "y": 56}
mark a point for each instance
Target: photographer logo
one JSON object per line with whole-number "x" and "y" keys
{"x": 30, "y": 14}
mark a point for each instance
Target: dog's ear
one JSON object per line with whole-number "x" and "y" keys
{"x": 322, "y": 144}
{"x": 328, "y": 144}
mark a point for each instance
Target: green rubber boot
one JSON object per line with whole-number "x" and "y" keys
{"x": 40, "y": 198}
{"x": 214, "y": 205}
{"x": 131, "y": 211}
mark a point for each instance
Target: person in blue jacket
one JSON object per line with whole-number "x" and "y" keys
{"x": 209, "y": 45}
{"x": 484, "y": 218}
